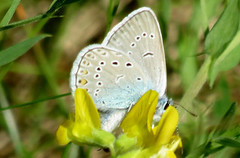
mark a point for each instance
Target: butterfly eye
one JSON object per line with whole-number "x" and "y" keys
{"x": 166, "y": 106}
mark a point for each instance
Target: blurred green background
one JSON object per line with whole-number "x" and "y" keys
{"x": 42, "y": 66}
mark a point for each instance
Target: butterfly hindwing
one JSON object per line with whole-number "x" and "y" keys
{"x": 112, "y": 79}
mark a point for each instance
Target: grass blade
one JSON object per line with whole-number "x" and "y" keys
{"x": 23, "y": 22}
{"x": 34, "y": 102}
{"x": 12, "y": 53}
{"x": 8, "y": 16}
{"x": 228, "y": 142}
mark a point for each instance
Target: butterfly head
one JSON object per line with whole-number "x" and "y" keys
{"x": 163, "y": 103}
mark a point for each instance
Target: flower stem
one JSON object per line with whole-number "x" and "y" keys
{"x": 195, "y": 88}
{"x": 113, "y": 152}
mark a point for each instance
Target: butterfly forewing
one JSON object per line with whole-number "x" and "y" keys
{"x": 139, "y": 37}
{"x": 112, "y": 79}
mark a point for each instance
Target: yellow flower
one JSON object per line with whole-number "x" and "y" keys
{"x": 159, "y": 141}
{"x": 84, "y": 126}
{"x": 140, "y": 139}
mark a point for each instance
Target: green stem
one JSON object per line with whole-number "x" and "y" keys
{"x": 113, "y": 152}
{"x": 23, "y": 22}
{"x": 195, "y": 88}
{"x": 34, "y": 102}
{"x": 11, "y": 125}
{"x": 71, "y": 150}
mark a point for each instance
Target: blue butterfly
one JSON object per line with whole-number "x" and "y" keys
{"x": 129, "y": 62}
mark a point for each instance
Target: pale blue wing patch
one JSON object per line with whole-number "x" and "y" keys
{"x": 113, "y": 80}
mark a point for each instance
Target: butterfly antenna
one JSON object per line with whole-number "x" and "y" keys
{"x": 193, "y": 114}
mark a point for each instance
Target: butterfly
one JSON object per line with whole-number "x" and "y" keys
{"x": 129, "y": 62}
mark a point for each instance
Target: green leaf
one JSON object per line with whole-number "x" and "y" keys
{"x": 12, "y": 53}
{"x": 228, "y": 142}
{"x": 208, "y": 10}
{"x": 227, "y": 60}
{"x": 7, "y": 17}
{"x": 225, "y": 121}
{"x": 224, "y": 30}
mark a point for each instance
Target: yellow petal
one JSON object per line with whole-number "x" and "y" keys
{"x": 84, "y": 126}
{"x": 62, "y": 133}
{"x": 170, "y": 154}
{"x": 152, "y": 104}
{"x": 137, "y": 123}
{"x": 164, "y": 152}
{"x": 175, "y": 143}
{"x": 85, "y": 110}
{"x": 166, "y": 127}
{"x": 80, "y": 130}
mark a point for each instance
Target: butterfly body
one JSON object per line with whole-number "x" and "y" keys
{"x": 128, "y": 63}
